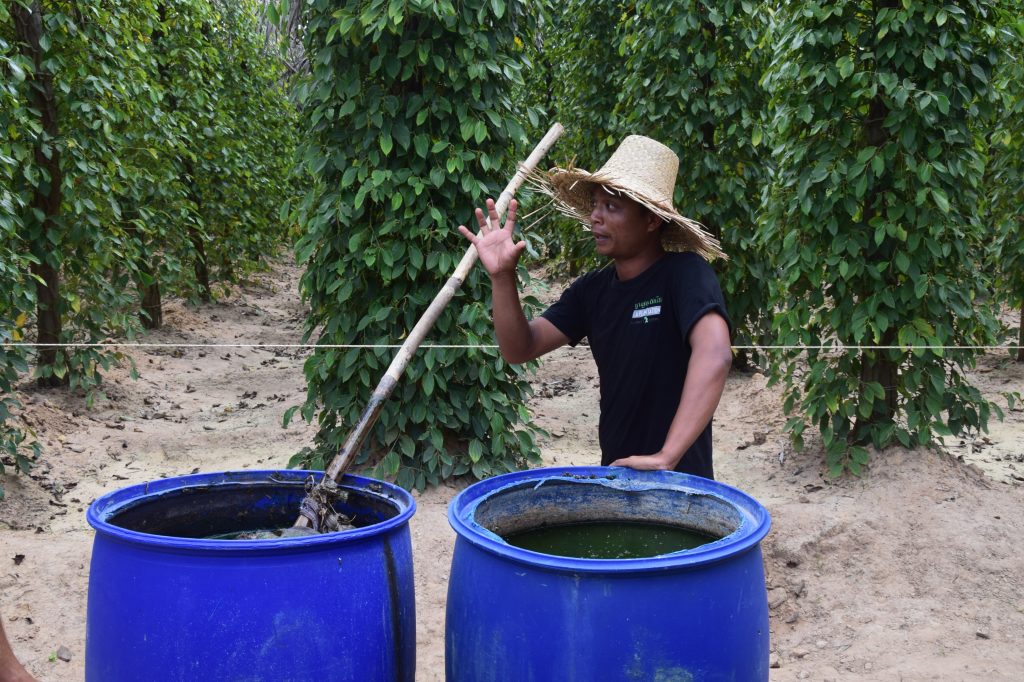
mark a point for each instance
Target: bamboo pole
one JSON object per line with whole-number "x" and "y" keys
{"x": 387, "y": 384}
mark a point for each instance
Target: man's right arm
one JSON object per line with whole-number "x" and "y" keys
{"x": 520, "y": 340}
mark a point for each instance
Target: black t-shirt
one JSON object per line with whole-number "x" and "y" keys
{"x": 639, "y": 334}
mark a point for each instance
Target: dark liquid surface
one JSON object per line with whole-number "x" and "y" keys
{"x": 264, "y": 534}
{"x": 608, "y": 540}
{"x": 239, "y": 512}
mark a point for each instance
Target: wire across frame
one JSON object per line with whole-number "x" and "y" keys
{"x": 839, "y": 348}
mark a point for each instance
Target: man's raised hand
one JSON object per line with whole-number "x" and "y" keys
{"x": 499, "y": 254}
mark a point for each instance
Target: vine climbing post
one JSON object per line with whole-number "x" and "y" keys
{"x": 872, "y": 218}
{"x": 423, "y": 91}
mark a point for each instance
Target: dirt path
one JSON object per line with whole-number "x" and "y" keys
{"x": 912, "y": 572}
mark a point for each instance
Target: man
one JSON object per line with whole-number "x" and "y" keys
{"x": 655, "y": 320}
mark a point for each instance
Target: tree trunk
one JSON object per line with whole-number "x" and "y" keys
{"x": 885, "y": 372}
{"x": 46, "y": 197}
{"x": 227, "y": 271}
{"x": 1020, "y": 336}
{"x": 202, "y": 271}
{"x": 877, "y": 366}
{"x": 202, "y": 267}
{"x": 187, "y": 174}
{"x": 152, "y": 313}
{"x": 48, "y": 322}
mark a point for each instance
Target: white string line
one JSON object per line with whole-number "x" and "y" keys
{"x": 842, "y": 347}
{"x": 327, "y": 346}
{"x": 105, "y": 344}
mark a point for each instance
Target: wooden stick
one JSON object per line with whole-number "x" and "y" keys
{"x": 387, "y": 384}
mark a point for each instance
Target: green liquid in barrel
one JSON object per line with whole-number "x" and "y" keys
{"x": 608, "y": 540}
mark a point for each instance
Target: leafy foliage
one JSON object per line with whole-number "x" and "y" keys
{"x": 685, "y": 73}
{"x": 15, "y": 261}
{"x": 135, "y": 135}
{"x": 408, "y": 122}
{"x": 692, "y": 79}
{"x": 1006, "y": 172}
{"x": 236, "y": 178}
{"x": 577, "y": 49}
{"x": 872, "y": 216}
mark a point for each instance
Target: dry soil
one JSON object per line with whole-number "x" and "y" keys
{"x": 913, "y": 571}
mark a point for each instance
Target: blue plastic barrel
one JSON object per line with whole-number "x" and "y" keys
{"x": 166, "y": 604}
{"x": 692, "y": 615}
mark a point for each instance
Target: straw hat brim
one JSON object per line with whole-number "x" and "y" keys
{"x": 571, "y": 190}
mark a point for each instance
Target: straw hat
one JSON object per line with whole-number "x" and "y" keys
{"x": 643, "y": 170}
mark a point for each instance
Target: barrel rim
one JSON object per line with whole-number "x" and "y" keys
{"x": 108, "y": 505}
{"x": 754, "y": 525}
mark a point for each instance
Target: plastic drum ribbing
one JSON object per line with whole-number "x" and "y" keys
{"x": 518, "y": 615}
{"x": 166, "y": 604}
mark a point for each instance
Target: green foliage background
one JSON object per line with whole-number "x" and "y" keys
{"x": 839, "y": 150}
{"x": 1005, "y": 174}
{"x": 685, "y": 73}
{"x": 860, "y": 161}
{"x": 409, "y": 121}
{"x": 141, "y": 142}
{"x": 874, "y": 211}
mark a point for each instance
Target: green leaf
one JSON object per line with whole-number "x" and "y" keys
{"x": 865, "y": 154}
{"x": 878, "y": 165}
{"x": 16, "y": 71}
{"x": 288, "y": 414}
{"x": 476, "y": 450}
{"x": 846, "y": 66}
{"x": 861, "y": 188}
{"x": 421, "y": 142}
{"x": 391, "y": 463}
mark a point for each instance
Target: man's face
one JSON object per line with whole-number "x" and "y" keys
{"x": 622, "y": 228}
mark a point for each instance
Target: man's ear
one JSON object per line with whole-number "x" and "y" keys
{"x": 654, "y": 221}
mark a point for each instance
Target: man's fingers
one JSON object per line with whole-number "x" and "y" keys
{"x": 492, "y": 214}
{"x": 467, "y": 233}
{"x": 634, "y": 462}
{"x": 490, "y": 221}
{"x": 510, "y": 217}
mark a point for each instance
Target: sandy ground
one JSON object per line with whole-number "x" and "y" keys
{"x": 912, "y": 572}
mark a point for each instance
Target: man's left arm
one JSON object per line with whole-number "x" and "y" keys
{"x": 710, "y": 360}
